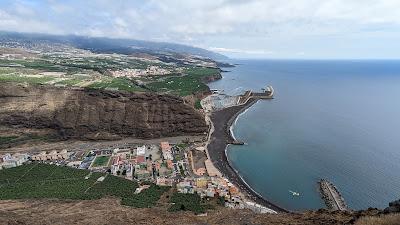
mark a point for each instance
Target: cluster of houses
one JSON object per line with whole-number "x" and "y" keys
{"x": 52, "y": 155}
{"x": 17, "y": 159}
{"x": 208, "y": 187}
{"x": 9, "y": 161}
{"x": 143, "y": 162}
{"x": 149, "y": 71}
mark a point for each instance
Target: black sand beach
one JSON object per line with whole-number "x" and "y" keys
{"x": 222, "y": 121}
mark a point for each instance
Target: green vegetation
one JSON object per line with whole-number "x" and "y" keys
{"x": 197, "y": 104}
{"x": 182, "y": 146}
{"x": 7, "y": 139}
{"x": 38, "y": 64}
{"x": 25, "y": 79}
{"x": 116, "y": 186}
{"x": 147, "y": 198}
{"x": 184, "y": 85}
{"x": 15, "y": 140}
{"x": 101, "y": 161}
{"x": 37, "y": 180}
{"x": 187, "y": 202}
{"x": 187, "y": 82}
{"x": 181, "y": 170}
{"x": 121, "y": 84}
{"x": 46, "y": 181}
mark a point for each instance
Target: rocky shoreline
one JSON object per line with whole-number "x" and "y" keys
{"x": 222, "y": 121}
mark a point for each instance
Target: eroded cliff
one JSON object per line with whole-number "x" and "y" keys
{"x": 95, "y": 114}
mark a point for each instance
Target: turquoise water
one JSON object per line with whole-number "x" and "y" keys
{"x": 338, "y": 120}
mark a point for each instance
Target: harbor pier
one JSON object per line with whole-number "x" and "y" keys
{"x": 332, "y": 197}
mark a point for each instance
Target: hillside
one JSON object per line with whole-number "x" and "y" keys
{"x": 108, "y": 45}
{"x": 109, "y": 211}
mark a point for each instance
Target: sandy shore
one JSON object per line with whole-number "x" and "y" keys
{"x": 222, "y": 121}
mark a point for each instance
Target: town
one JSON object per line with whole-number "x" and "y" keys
{"x": 184, "y": 166}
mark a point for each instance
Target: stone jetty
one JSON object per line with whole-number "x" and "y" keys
{"x": 332, "y": 197}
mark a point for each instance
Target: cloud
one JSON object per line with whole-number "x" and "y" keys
{"x": 208, "y": 22}
{"x": 240, "y": 51}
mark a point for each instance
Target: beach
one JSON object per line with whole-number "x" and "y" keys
{"x": 222, "y": 121}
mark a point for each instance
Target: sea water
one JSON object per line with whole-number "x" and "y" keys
{"x": 338, "y": 120}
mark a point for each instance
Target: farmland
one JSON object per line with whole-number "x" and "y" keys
{"x": 24, "y": 79}
{"x": 190, "y": 83}
{"x": 98, "y": 71}
{"x": 42, "y": 181}
{"x": 187, "y": 202}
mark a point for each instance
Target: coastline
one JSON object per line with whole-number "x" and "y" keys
{"x": 222, "y": 122}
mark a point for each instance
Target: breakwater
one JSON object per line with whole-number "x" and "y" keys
{"x": 331, "y": 195}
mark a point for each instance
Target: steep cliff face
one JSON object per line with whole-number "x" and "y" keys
{"x": 94, "y": 114}
{"x": 211, "y": 78}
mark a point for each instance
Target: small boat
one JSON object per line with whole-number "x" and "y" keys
{"x": 294, "y": 193}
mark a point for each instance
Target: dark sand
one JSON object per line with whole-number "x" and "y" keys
{"x": 222, "y": 121}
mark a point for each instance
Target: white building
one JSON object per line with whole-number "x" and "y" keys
{"x": 168, "y": 155}
{"x": 8, "y": 160}
{"x": 141, "y": 150}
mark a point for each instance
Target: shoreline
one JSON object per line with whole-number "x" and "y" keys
{"x": 222, "y": 122}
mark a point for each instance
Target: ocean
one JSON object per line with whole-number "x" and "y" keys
{"x": 338, "y": 120}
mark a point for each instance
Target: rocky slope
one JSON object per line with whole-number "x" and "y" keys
{"x": 94, "y": 114}
{"x": 109, "y": 211}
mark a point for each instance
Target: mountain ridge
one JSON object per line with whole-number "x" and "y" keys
{"x": 117, "y": 45}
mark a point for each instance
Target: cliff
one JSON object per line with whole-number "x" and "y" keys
{"x": 211, "y": 78}
{"x": 95, "y": 114}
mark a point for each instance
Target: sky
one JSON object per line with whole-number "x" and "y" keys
{"x": 301, "y": 29}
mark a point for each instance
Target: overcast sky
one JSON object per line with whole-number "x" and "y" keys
{"x": 237, "y": 28}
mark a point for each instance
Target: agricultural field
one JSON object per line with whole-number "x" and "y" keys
{"x": 38, "y": 181}
{"x": 24, "y": 79}
{"x": 98, "y": 71}
{"x": 188, "y": 202}
{"x": 187, "y": 84}
{"x": 147, "y": 198}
